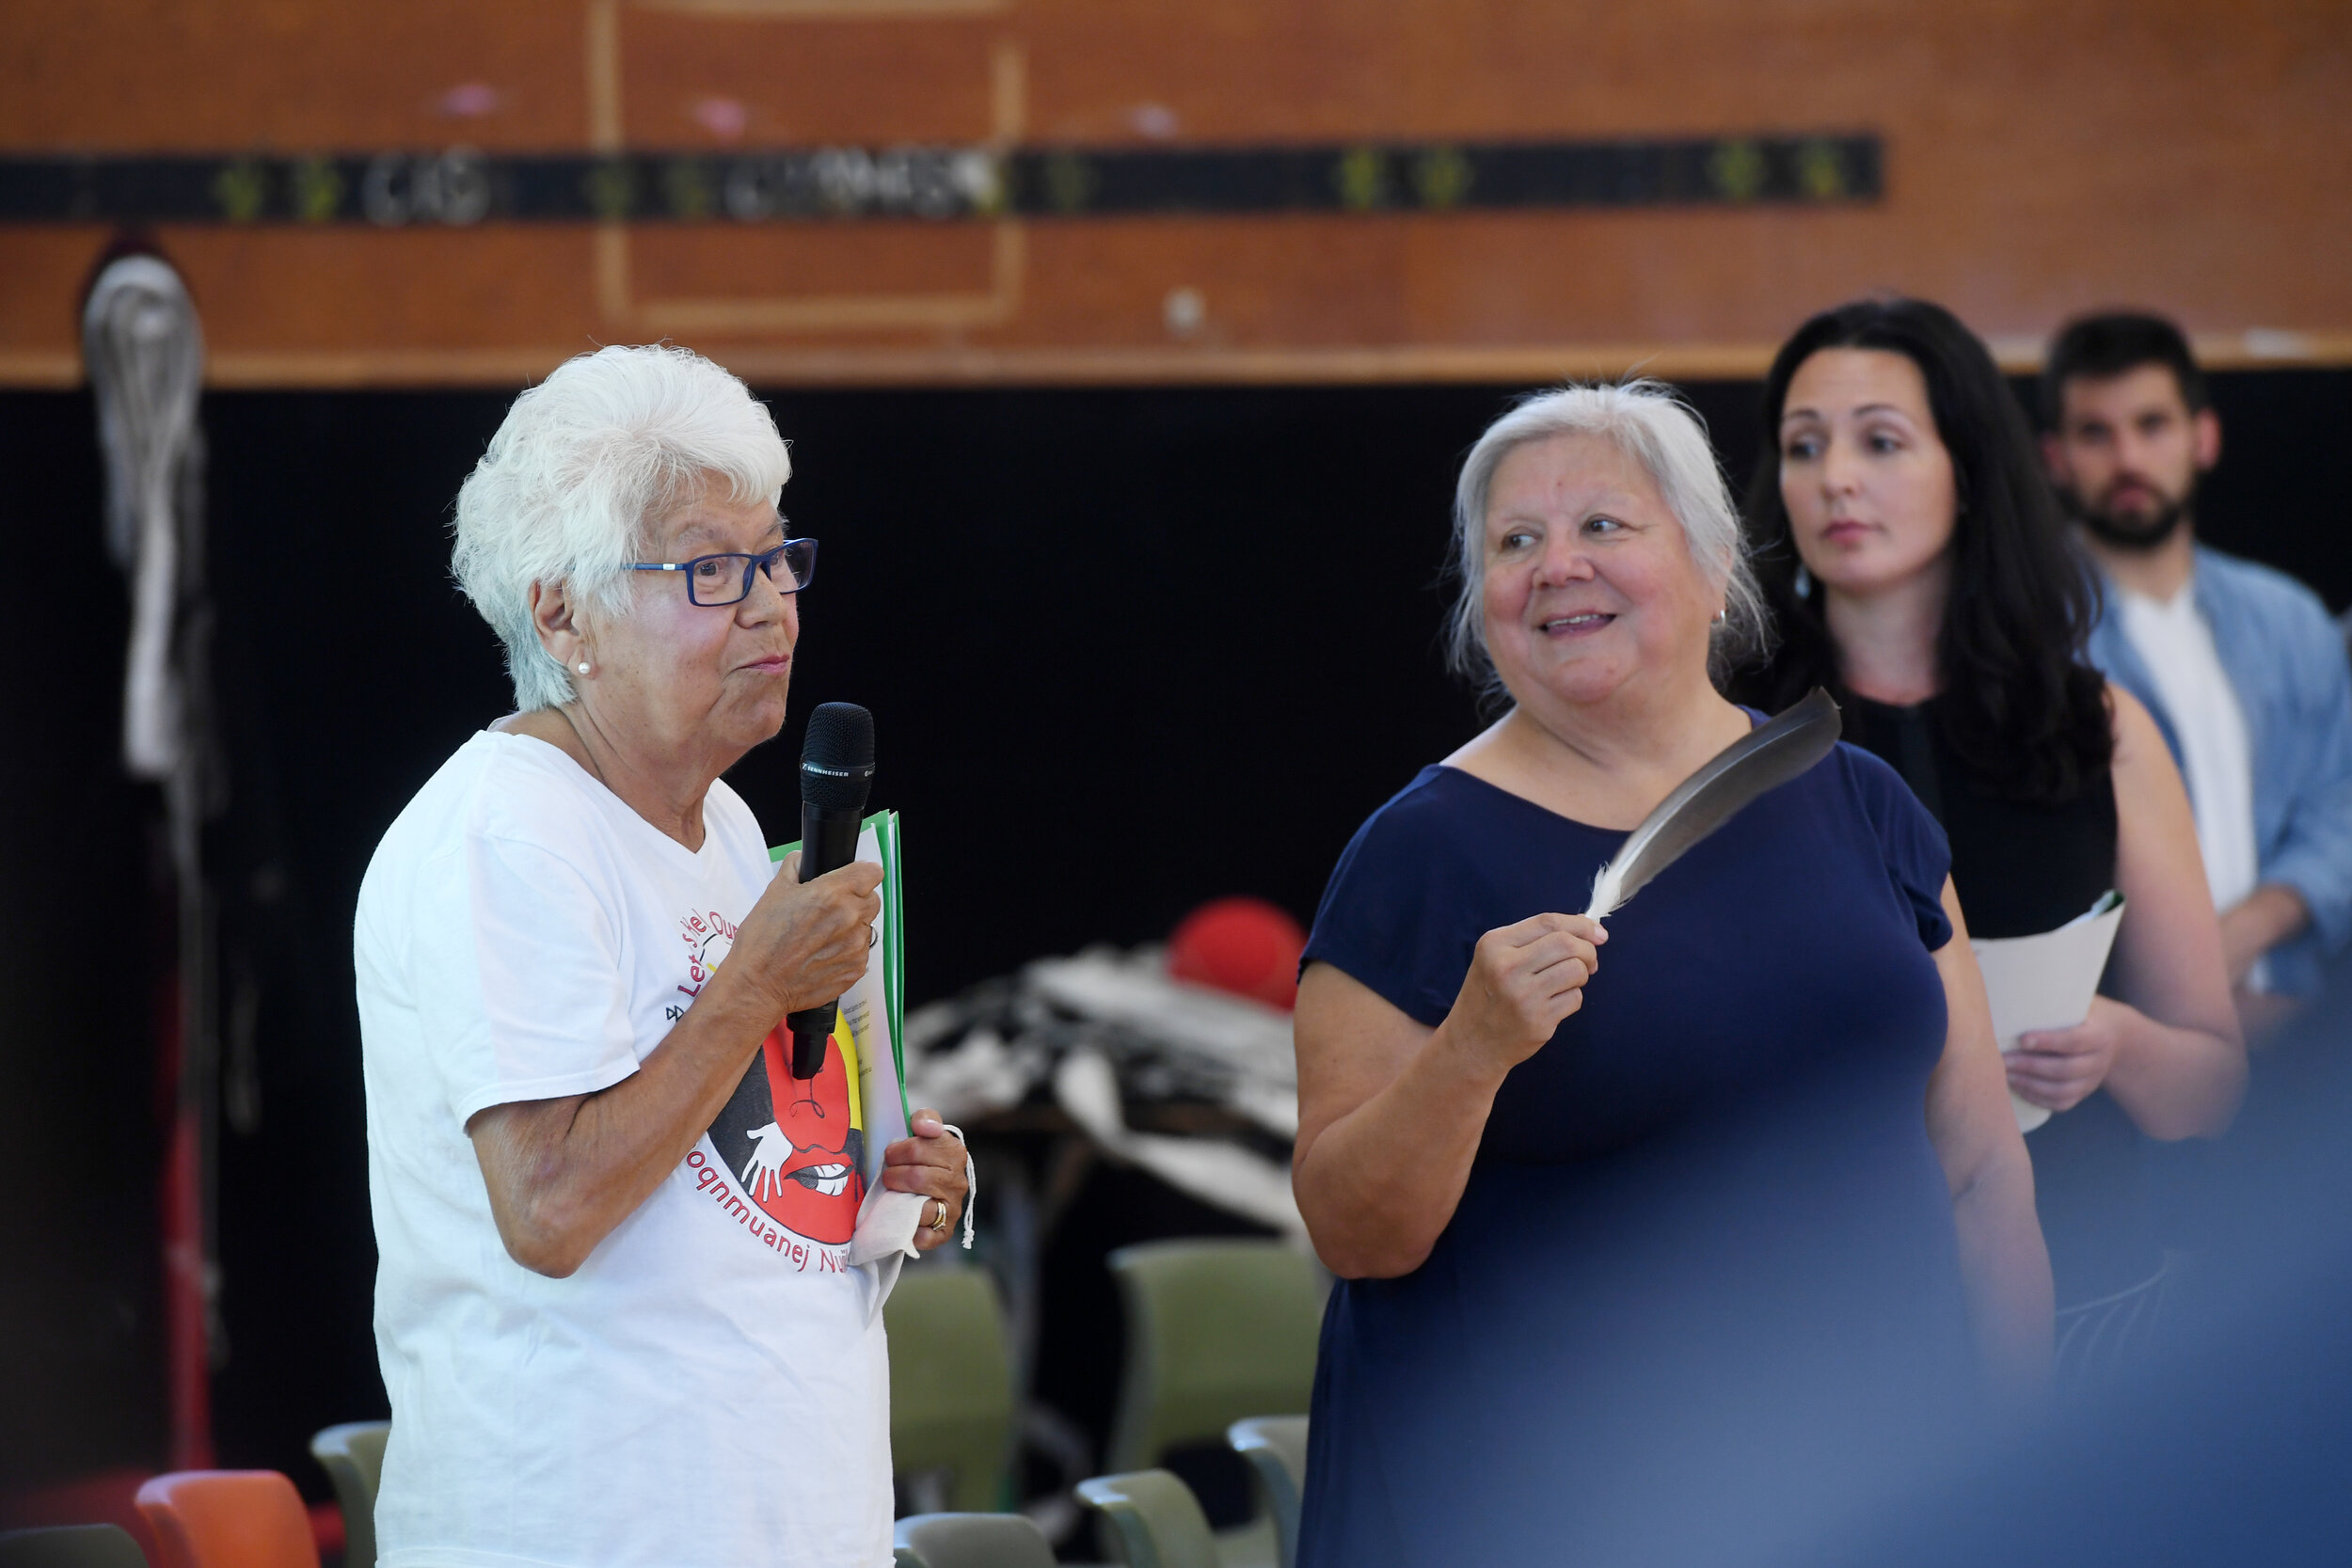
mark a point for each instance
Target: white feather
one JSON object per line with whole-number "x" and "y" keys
{"x": 1765, "y": 758}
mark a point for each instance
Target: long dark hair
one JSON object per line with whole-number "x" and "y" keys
{"x": 2020, "y": 707}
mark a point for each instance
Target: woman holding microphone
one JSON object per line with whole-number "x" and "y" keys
{"x": 616, "y": 1317}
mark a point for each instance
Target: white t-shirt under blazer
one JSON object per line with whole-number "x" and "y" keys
{"x": 2216, "y": 751}
{"x": 710, "y": 1387}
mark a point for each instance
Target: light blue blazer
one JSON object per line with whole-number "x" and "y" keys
{"x": 2286, "y": 659}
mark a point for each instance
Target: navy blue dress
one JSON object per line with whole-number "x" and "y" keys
{"x": 1705, "y": 1263}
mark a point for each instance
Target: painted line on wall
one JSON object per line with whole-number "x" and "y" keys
{"x": 461, "y": 186}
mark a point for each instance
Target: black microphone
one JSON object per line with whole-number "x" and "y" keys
{"x": 836, "y": 769}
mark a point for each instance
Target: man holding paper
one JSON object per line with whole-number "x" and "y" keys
{"x": 2241, "y": 666}
{"x": 618, "y": 1307}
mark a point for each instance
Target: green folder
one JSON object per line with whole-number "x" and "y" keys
{"x": 884, "y": 825}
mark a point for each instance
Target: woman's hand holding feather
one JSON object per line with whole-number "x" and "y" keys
{"x": 1523, "y": 981}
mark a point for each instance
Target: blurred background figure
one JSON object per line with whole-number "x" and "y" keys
{"x": 2238, "y": 665}
{"x": 2229, "y": 1439}
{"x": 1913, "y": 555}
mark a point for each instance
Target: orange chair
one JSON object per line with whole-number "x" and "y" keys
{"x": 228, "y": 1519}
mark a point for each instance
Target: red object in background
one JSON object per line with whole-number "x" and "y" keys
{"x": 326, "y": 1529}
{"x": 228, "y": 1519}
{"x": 188, "y": 1340}
{"x": 1243, "y": 945}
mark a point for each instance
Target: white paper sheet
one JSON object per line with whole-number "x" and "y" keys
{"x": 2046, "y": 982}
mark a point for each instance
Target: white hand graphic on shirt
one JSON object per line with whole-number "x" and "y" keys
{"x": 770, "y": 1148}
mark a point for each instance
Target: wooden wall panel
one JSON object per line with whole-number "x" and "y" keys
{"x": 2037, "y": 160}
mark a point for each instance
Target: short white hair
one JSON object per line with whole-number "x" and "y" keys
{"x": 1652, "y": 425}
{"x": 585, "y": 461}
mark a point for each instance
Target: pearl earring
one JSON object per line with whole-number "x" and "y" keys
{"x": 584, "y": 669}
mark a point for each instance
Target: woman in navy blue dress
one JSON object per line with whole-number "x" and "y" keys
{"x": 1652, "y": 1239}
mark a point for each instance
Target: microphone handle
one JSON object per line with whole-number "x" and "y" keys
{"x": 828, "y": 843}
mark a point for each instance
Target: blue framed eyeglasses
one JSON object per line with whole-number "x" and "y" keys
{"x": 724, "y": 579}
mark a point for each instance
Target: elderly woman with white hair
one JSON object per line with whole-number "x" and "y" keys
{"x": 615, "y": 1307}
{"x": 1645, "y": 1234}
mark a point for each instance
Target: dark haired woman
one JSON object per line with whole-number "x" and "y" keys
{"x": 1915, "y": 564}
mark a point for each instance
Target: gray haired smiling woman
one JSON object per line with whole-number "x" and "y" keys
{"x": 1649, "y": 1237}
{"x": 572, "y": 957}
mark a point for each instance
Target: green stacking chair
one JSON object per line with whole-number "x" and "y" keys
{"x": 972, "y": 1541}
{"x": 951, "y": 1395}
{"x": 1218, "y": 1330}
{"x": 353, "y": 1457}
{"x": 71, "y": 1546}
{"x": 1156, "y": 1518}
{"x": 1276, "y": 1449}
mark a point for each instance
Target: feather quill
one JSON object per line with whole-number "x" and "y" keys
{"x": 1765, "y": 758}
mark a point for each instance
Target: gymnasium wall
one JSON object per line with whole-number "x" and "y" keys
{"x": 949, "y": 191}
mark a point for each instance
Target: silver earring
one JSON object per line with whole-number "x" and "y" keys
{"x": 1804, "y": 586}
{"x": 584, "y": 669}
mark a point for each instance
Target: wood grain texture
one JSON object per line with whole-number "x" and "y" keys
{"x": 2039, "y": 160}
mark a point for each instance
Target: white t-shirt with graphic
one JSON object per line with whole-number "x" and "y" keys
{"x": 710, "y": 1387}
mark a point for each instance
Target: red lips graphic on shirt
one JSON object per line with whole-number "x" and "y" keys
{"x": 812, "y": 1185}
{"x": 792, "y": 1145}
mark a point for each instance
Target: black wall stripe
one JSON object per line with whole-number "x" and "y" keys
{"x": 461, "y": 186}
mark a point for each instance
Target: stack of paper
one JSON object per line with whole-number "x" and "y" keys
{"x": 2046, "y": 981}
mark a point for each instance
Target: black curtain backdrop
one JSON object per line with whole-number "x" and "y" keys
{"x": 1127, "y": 650}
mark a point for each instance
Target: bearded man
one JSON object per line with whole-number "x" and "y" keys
{"x": 2241, "y": 666}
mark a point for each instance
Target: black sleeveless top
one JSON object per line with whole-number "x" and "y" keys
{"x": 2021, "y": 869}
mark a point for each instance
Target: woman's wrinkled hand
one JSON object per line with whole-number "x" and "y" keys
{"x": 1523, "y": 981}
{"x": 805, "y": 943}
{"x": 2057, "y": 1068}
{"x": 930, "y": 1163}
